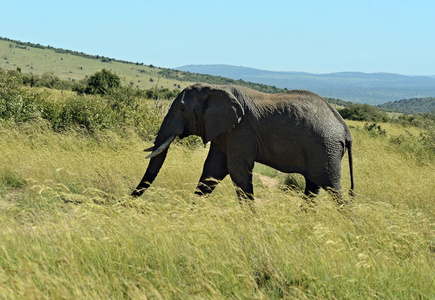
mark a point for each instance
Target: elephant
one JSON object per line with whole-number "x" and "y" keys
{"x": 294, "y": 132}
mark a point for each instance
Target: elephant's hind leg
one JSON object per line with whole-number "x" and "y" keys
{"x": 241, "y": 175}
{"x": 311, "y": 189}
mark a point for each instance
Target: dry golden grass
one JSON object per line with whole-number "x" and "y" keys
{"x": 68, "y": 228}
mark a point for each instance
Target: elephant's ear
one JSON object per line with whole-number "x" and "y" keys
{"x": 222, "y": 113}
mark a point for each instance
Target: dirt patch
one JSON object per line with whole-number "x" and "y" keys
{"x": 269, "y": 182}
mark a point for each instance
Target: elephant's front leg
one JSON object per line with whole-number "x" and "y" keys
{"x": 215, "y": 170}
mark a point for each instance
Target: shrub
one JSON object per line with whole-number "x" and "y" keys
{"x": 426, "y": 120}
{"x": 428, "y": 141}
{"x": 121, "y": 109}
{"x": 421, "y": 147}
{"x": 16, "y": 103}
{"x": 90, "y": 113}
{"x": 363, "y": 112}
{"x": 374, "y": 129}
{"x": 102, "y": 82}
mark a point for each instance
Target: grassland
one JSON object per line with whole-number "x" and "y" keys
{"x": 69, "y": 230}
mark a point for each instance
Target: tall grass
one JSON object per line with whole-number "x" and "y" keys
{"x": 68, "y": 228}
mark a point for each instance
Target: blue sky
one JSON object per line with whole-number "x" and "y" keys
{"x": 311, "y": 36}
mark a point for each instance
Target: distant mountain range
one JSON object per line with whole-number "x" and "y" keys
{"x": 369, "y": 88}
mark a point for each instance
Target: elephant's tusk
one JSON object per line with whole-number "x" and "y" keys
{"x": 162, "y": 147}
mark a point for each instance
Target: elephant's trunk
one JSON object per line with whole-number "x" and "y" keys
{"x": 157, "y": 158}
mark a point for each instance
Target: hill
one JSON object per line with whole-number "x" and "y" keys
{"x": 414, "y": 105}
{"x": 73, "y": 65}
{"x": 374, "y": 88}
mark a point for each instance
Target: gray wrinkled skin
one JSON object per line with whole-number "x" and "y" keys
{"x": 293, "y": 132}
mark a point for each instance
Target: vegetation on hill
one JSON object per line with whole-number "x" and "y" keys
{"x": 414, "y": 105}
{"x": 27, "y": 45}
{"x": 73, "y": 66}
{"x": 65, "y": 69}
{"x": 338, "y": 102}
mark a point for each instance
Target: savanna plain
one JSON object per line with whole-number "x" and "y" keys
{"x": 70, "y": 230}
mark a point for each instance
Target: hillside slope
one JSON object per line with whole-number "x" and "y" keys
{"x": 70, "y": 65}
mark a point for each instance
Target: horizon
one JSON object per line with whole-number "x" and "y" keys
{"x": 296, "y": 71}
{"x": 309, "y": 36}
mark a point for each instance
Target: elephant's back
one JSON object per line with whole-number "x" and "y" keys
{"x": 297, "y": 111}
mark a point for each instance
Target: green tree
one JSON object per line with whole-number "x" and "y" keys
{"x": 102, "y": 82}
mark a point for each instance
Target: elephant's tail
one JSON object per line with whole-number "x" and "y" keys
{"x": 349, "y": 154}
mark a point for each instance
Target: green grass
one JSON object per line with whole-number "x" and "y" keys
{"x": 68, "y": 228}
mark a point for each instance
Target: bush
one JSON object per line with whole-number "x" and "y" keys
{"x": 421, "y": 147}
{"x": 363, "y": 112}
{"x": 426, "y": 120}
{"x": 102, "y": 82}
{"x": 86, "y": 112}
{"x": 16, "y": 103}
{"x": 121, "y": 109}
{"x": 428, "y": 141}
